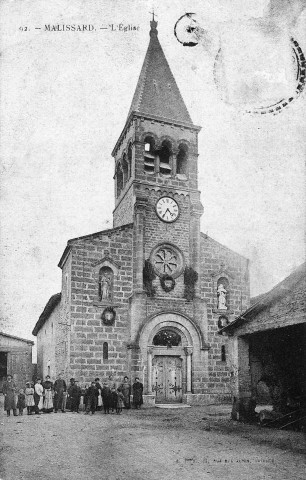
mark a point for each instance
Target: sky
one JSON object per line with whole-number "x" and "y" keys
{"x": 65, "y": 99}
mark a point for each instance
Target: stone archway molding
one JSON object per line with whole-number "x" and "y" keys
{"x": 180, "y": 322}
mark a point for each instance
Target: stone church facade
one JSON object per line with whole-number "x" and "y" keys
{"x": 147, "y": 297}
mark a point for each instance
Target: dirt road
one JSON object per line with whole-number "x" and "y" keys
{"x": 191, "y": 443}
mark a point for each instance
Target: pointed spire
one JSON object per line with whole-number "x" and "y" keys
{"x": 153, "y": 25}
{"x": 157, "y": 93}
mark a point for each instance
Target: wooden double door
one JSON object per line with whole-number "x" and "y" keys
{"x": 167, "y": 379}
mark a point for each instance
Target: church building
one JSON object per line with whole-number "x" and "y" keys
{"x": 147, "y": 297}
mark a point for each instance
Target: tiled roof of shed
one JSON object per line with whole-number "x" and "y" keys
{"x": 8, "y": 335}
{"x": 265, "y": 300}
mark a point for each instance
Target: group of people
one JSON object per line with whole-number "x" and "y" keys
{"x": 47, "y": 396}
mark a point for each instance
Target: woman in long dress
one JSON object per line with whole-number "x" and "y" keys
{"x": 137, "y": 393}
{"x": 48, "y": 399}
{"x": 29, "y": 394}
{"x": 125, "y": 389}
{"x": 9, "y": 392}
{"x": 38, "y": 396}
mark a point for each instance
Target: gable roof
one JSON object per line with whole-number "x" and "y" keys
{"x": 2, "y": 334}
{"x": 109, "y": 231}
{"x": 50, "y": 306}
{"x": 265, "y": 300}
{"x": 157, "y": 93}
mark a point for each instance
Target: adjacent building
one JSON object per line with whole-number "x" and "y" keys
{"x": 15, "y": 359}
{"x": 267, "y": 343}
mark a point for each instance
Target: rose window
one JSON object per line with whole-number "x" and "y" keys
{"x": 167, "y": 260}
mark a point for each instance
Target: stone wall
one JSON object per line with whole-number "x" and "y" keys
{"x": 53, "y": 342}
{"x": 88, "y": 333}
{"x": 219, "y": 261}
{"x": 123, "y": 212}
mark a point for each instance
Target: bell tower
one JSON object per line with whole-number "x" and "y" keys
{"x": 156, "y": 173}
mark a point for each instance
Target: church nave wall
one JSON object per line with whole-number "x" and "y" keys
{"x": 98, "y": 341}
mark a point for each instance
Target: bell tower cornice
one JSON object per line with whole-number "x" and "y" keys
{"x": 139, "y": 116}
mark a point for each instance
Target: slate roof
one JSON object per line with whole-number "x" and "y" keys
{"x": 157, "y": 93}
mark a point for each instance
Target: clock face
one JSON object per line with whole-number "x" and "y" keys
{"x": 167, "y": 209}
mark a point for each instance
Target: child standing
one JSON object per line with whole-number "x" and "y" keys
{"x": 106, "y": 397}
{"x": 38, "y": 396}
{"x": 120, "y": 402}
{"x": 114, "y": 398}
{"x": 29, "y": 397}
{"x": 21, "y": 401}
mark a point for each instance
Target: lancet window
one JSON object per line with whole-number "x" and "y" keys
{"x": 105, "y": 351}
{"x": 129, "y": 160}
{"x": 181, "y": 160}
{"x": 149, "y": 155}
{"x": 119, "y": 178}
{"x": 164, "y": 153}
{"x": 125, "y": 170}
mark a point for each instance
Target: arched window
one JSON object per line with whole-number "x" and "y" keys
{"x": 167, "y": 338}
{"x": 105, "y": 351}
{"x": 66, "y": 285}
{"x": 149, "y": 155}
{"x": 129, "y": 160}
{"x": 119, "y": 176}
{"x": 223, "y": 354}
{"x": 165, "y": 159}
{"x": 223, "y": 294}
{"x": 181, "y": 160}
{"x": 125, "y": 170}
{"x": 106, "y": 277}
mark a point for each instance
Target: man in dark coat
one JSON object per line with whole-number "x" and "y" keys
{"x": 9, "y": 391}
{"x": 137, "y": 393}
{"x": 73, "y": 395}
{"x": 60, "y": 389}
{"x": 106, "y": 397}
{"x": 78, "y": 397}
{"x": 92, "y": 399}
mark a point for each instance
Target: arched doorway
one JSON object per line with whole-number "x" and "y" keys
{"x": 167, "y": 366}
{"x": 167, "y": 342}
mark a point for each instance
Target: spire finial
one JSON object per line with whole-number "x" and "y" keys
{"x": 153, "y": 23}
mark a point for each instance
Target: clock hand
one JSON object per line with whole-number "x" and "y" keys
{"x": 167, "y": 210}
